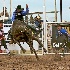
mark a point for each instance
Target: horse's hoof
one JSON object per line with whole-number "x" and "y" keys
{"x": 9, "y": 53}
{"x": 11, "y": 42}
{"x": 31, "y": 52}
{"x": 24, "y": 51}
{"x": 37, "y": 59}
{"x": 45, "y": 50}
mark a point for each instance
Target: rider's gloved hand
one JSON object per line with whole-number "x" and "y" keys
{"x": 26, "y": 5}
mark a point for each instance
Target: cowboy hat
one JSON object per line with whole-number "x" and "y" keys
{"x": 19, "y": 7}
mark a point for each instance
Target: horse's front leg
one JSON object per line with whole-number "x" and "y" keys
{"x": 20, "y": 46}
{"x": 31, "y": 46}
{"x": 30, "y": 43}
{"x": 23, "y": 50}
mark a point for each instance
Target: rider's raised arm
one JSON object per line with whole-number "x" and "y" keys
{"x": 25, "y": 12}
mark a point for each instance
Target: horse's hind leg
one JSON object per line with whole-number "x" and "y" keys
{"x": 32, "y": 49}
{"x": 21, "y": 47}
{"x": 40, "y": 43}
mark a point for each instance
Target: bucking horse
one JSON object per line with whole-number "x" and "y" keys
{"x": 22, "y": 32}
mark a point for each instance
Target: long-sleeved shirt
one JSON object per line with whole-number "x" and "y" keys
{"x": 23, "y": 13}
{"x": 62, "y": 31}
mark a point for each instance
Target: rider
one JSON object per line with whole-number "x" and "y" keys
{"x": 2, "y": 37}
{"x": 19, "y": 13}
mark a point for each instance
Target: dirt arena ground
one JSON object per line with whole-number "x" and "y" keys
{"x": 29, "y": 62}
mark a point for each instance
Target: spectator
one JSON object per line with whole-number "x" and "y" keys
{"x": 38, "y": 21}
{"x": 6, "y": 13}
{"x": 2, "y": 37}
{"x": 31, "y": 19}
{"x": 61, "y": 31}
{"x": 26, "y": 19}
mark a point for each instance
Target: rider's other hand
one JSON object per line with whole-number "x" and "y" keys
{"x": 26, "y": 5}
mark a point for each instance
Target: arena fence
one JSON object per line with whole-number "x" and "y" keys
{"x": 51, "y": 29}
{"x": 50, "y": 37}
{"x": 15, "y": 47}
